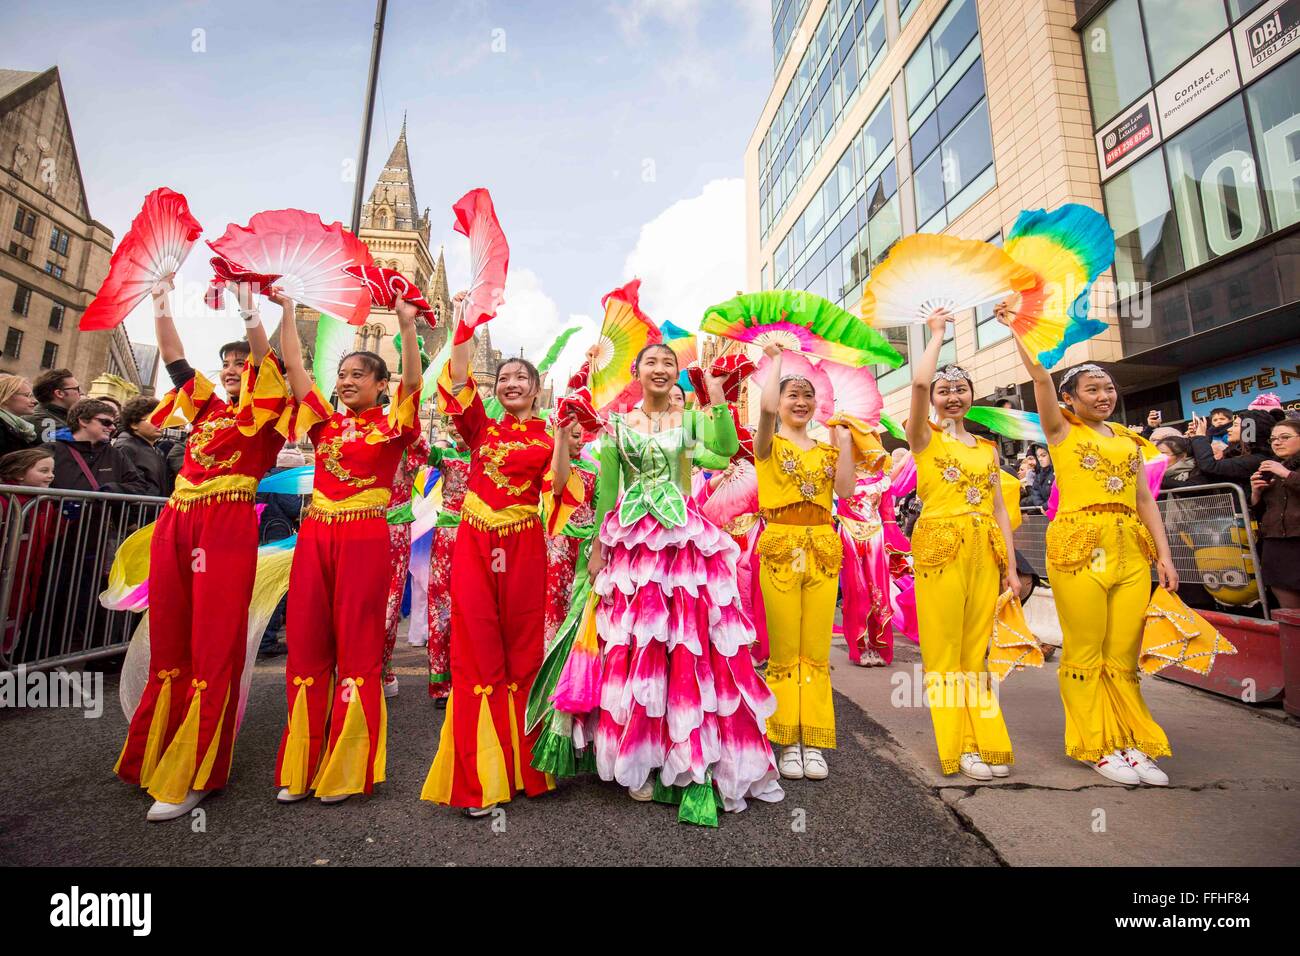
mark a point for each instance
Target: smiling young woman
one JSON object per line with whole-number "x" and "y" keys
{"x": 960, "y": 546}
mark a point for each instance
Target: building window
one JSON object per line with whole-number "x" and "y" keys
{"x": 905, "y": 10}
{"x": 1240, "y": 8}
{"x": 1115, "y": 56}
{"x": 1216, "y": 191}
{"x": 50, "y": 355}
{"x": 22, "y": 299}
{"x": 56, "y": 317}
{"x": 1177, "y": 29}
{"x": 54, "y": 269}
{"x": 1146, "y": 241}
{"x": 1275, "y": 117}
{"x": 947, "y": 351}
{"x": 18, "y": 252}
{"x": 952, "y": 147}
{"x": 25, "y": 221}
{"x": 889, "y": 379}
{"x": 58, "y": 241}
{"x": 13, "y": 343}
{"x": 988, "y": 330}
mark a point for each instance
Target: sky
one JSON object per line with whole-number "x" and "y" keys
{"x": 610, "y": 134}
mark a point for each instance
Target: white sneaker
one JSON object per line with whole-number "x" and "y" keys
{"x": 1145, "y": 768}
{"x": 871, "y": 658}
{"x": 814, "y": 764}
{"x": 975, "y": 768}
{"x": 288, "y": 796}
{"x": 644, "y": 793}
{"x": 1000, "y": 769}
{"x": 335, "y": 798}
{"x": 1114, "y": 767}
{"x": 791, "y": 762}
{"x": 476, "y": 812}
{"x": 419, "y": 642}
{"x": 170, "y": 811}
{"x": 390, "y": 685}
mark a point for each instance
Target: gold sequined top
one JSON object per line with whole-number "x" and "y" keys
{"x": 1094, "y": 469}
{"x": 792, "y": 476}
{"x": 953, "y": 478}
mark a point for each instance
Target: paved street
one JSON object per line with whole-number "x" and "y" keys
{"x": 1233, "y": 800}
{"x": 60, "y": 803}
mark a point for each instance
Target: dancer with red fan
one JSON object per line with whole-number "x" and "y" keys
{"x": 498, "y": 606}
{"x": 202, "y": 562}
{"x": 334, "y": 739}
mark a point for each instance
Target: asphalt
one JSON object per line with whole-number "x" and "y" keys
{"x": 61, "y": 804}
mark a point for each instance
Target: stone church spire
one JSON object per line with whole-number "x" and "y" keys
{"x": 392, "y": 203}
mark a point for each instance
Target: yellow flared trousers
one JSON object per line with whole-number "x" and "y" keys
{"x": 1102, "y": 606}
{"x": 799, "y": 574}
{"x": 956, "y": 594}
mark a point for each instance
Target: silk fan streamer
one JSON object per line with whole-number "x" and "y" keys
{"x": 489, "y": 255}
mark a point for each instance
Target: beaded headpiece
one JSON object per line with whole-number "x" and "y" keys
{"x": 952, "y": 373}
{"x": 1080, "y": 370}
{"x": 786, "y": 379}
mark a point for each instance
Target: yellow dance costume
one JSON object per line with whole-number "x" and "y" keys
{"x": 959, "y": 559}
{"x": 799, "y": 571}
{"x": 1099, "y": 558}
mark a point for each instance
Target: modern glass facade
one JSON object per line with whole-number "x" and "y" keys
{"x": 1217, "y": 167}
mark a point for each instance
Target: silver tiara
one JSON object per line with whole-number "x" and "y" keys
{"x": 796, "y": 378}
{"x": 1079, "y": 370}
{"x": 951, "y": 373}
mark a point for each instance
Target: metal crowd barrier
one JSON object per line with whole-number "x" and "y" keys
{"x": 1211, "y": 540}
{"x": 57, "y": 548}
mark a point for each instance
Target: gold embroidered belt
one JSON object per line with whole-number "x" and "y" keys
{"x": 477, "y": 513}
{"x": 800, "y": 514}
{"x": 371, "y": 503}
{"x": 187, "y": 494}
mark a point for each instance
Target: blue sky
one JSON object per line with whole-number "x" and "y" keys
{"x": 611, "y": 134}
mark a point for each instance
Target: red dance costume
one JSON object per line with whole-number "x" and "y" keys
{"x": 562, "y": 554}
{"x": 202, "y": 562}
{"x": 497, "y": 609}
{"x": 399, "y": 542}
{"x": 455, "y": 478}
{"x": 335, "y": 738}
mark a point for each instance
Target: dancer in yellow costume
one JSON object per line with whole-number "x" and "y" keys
{"x": 1100, "y": 546}
{"x": 800, "y": 555}
{"x": 959, "y": 551}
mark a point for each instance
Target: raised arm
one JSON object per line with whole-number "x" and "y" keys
{"x": 769, "y": 404}
{"x": 461, "y": 354}
{"x": 1011, "y": 579}
{"x": 846, "y": 480}
{"x": 1055, "y": 426}
{"x": 291, "y": 347}
{"x": 918, "y": 417}
{"x": 411, "y": 372}
{"x": 164, "y": 326}
{"x": 258, "y": 343}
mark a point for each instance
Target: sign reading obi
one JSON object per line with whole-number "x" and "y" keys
{"x": 1237, "y": 383}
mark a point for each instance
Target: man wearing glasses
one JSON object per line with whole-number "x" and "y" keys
{"x": 84, "y": 456}
{"x": 57, "y": 391}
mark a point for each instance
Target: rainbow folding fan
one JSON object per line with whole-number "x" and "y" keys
{"x": 307, "y": 255}
{"x": 1008, "y": 422}
{"x": 684, "y": 344}
{"x": 625, "y": 332}
{"x": 801, "y": 322}
{"x": 1067, "y": 249}
{"x": 489, "y": 256}
{"x": 924, "y": 272}
{"x": 159, "y": 239}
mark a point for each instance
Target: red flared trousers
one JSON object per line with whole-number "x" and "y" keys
{"x": 202, "y": 562}
{"x": 335, "y": 631}
{"x": 497, "y": 621}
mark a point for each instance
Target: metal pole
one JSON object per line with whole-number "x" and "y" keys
{"x": 381, "y": 7}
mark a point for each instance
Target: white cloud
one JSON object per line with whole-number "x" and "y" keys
{"x": 530, "y": 319}
{"x": 692, "y": 255}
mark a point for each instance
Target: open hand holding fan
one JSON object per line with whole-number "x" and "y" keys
{"x": 577, "y": 407}
{"x": 800, "y": 322}
{"x": 489, "y": 256}
{"x": 159, "y": 240}
{"x": 1067, "y": 249}
{"x": 625, "y": 332}
{"x": 387, "y": 286}
{"x": 307, "y": 255}
{"x": 223, "y": 271}
{"x": 924, "y": 272}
